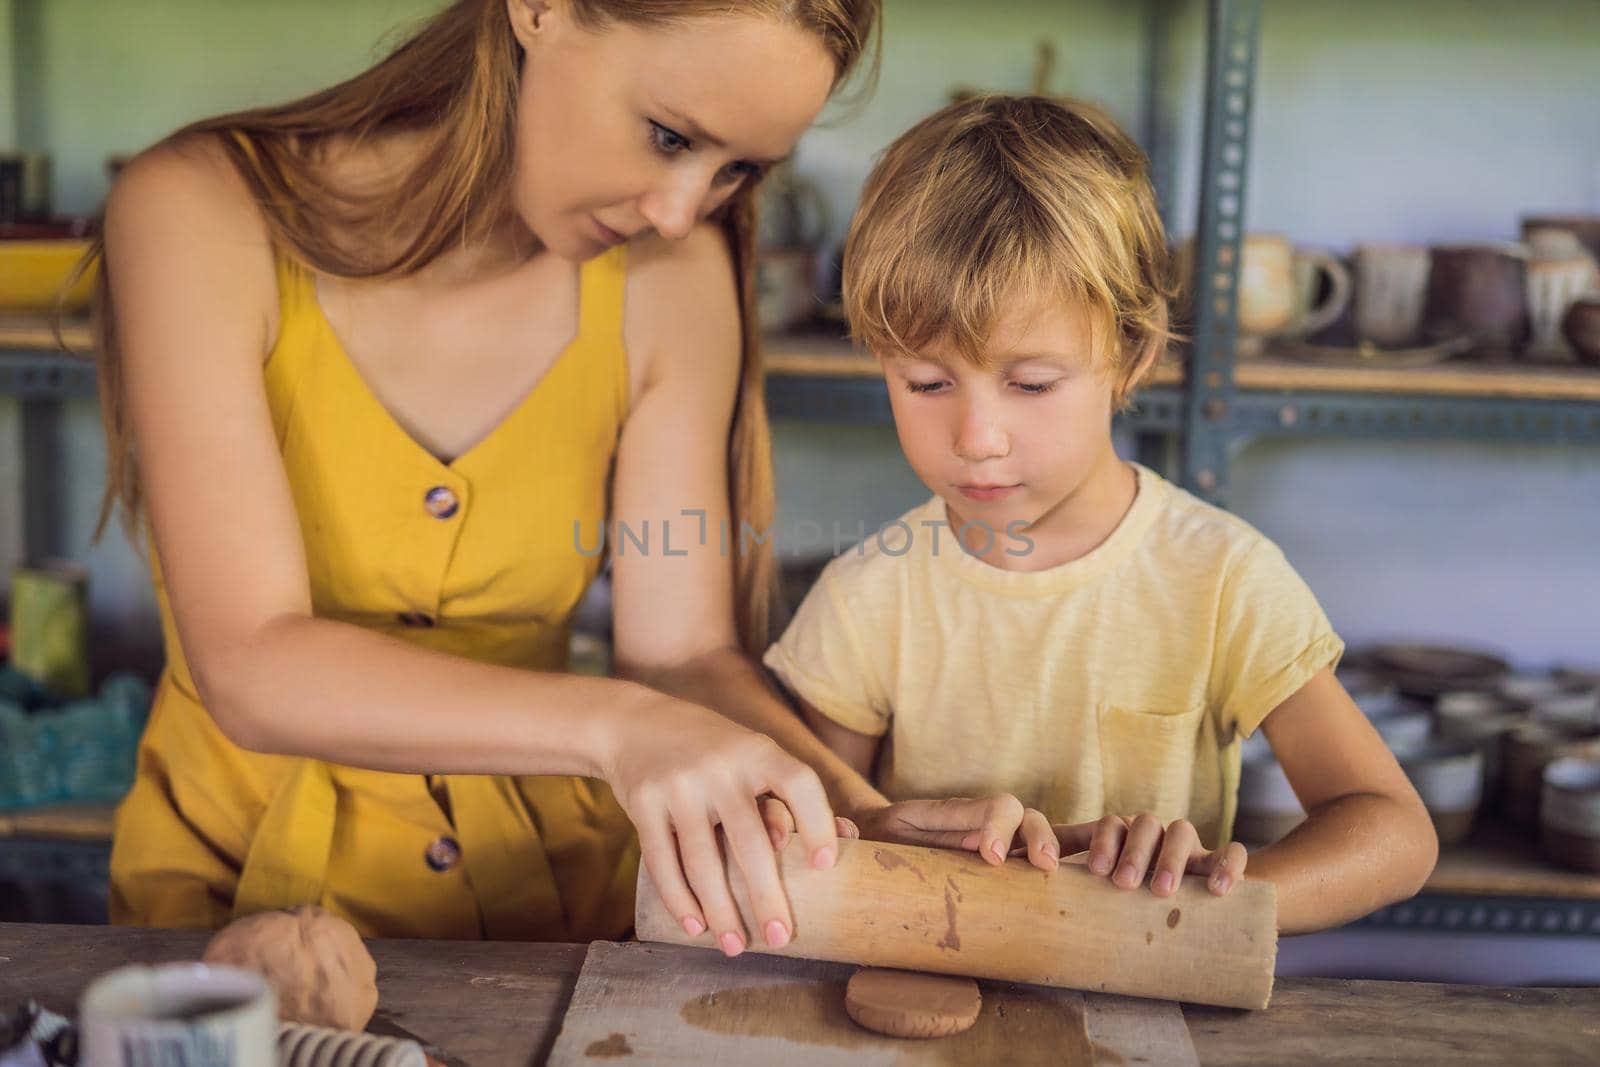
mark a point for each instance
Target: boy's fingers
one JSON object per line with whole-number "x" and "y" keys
{"x": 1143, "y": 837}
{"x": 1073, "y": 838}
{"x": 846, "y": 829}
{"x": 958, "y": 822}
{"x": 1227, "y": 867}
{"x": 779, "y": 823}
{"x": 1105, "y": 845}
{"x": 1002, "y": 817}
{"x": 1180, "y": 843}
{"x": 801, "y": 792}
{"x": 1044, "y": 851}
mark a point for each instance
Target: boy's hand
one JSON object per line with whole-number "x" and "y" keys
{"x": 775, "y": 815}
{"x": 994, "y": 827}
{"x": 1122, "y": 848}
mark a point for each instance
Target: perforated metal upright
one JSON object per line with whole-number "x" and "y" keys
{"x": 1233, "y": 35}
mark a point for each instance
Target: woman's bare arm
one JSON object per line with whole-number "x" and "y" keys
{"x": 195, "y": 299}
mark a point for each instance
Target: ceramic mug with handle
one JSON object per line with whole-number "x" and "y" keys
{"x": 179, "y": 1015}
{"x": 1282, "y": 292}
{"x": 1480, "y": 291}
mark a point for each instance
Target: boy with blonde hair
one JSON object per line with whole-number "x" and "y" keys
{"x": 1063, "y": 635}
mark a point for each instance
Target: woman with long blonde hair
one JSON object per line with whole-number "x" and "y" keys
{"x": 377, "y": 365}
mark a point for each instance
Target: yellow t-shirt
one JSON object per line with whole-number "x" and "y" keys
{"x": 1119, "y": 683}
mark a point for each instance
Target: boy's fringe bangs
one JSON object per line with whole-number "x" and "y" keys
{"x": 954, "y": 286}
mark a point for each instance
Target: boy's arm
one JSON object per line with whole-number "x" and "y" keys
{"x": 993, "y": 826}
{"x": 1367, "y": 840}
{"x": 858, "y": 751}
{"x": 730, "y": 682}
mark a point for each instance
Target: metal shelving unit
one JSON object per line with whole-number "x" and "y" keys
{"x": 1186, "y": 423}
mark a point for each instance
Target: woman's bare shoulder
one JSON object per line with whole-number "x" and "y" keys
{"x": 192, "y": 175}
{"x": 183, "y": 210}
{"x": 682, "y": 305}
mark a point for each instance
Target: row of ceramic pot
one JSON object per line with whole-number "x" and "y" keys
{"x": 1525, "y": 746}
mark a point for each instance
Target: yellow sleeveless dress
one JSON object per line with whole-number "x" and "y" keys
{"x": 476, "y": 558}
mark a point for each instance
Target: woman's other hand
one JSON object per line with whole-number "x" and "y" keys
{"x": 683, "y": 773}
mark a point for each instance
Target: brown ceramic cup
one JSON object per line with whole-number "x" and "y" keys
{"x": 1570, "y": 812}
{"x": 1479, "y": 290}
{"x": 1581, "y": 328}
{"x": 1530, "y": 748}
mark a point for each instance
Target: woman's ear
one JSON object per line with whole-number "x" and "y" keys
{"x": 530, "y": 19}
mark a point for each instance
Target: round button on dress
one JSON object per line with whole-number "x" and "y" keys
{"x": 441, "y": 502}
{"x": 442, "y": 853}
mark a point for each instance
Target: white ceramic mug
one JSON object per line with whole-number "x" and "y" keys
{"x": 1553, "y": 286}
{"x": 1391, "y": 284}
{"x": 1279, "y": 285}
{"x": 179, "y": 1015}
{"x": 1571, "y": 800}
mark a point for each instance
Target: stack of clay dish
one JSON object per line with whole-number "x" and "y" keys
{"x": 1403, "y": 729}
{"x": 1426, "y": 671}
{"x": 1365, "y": 685}
{"x": 1482, "y": 720}
{"x": 1573, "y": 703}
{"x": 1268, "y": 808}
{"x": 1569, "y": 812}
{"x": 1531, "y": 688}
{"x": 1589, "y": 676}
{"x": 1400, "y": 722}
{"x": 1529, "y": 749}
{"x": 1449, "y": 779}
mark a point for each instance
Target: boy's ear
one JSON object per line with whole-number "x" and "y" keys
{"x": 1149, "y": 355}
{"x": 1143, "y": 364}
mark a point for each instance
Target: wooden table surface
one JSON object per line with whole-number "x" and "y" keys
{"x": 501, "y": 1003}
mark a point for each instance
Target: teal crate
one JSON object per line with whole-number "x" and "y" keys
{"x": 83, "y": 751}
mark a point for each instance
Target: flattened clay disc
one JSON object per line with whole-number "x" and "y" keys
{"x": 909, "y": 1004}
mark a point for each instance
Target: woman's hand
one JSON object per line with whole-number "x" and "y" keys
{"x": 1122, "y": 848}
{"x": 682, "y": 773}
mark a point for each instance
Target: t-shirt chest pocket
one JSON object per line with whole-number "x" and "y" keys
{"x": 1147, "y": 759}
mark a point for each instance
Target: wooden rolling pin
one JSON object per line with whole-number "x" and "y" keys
{"x": 926, "y": 909}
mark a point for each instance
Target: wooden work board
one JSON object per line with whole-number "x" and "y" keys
{"x": 674, "y": 1005}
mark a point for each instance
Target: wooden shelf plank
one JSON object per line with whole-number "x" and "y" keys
{"x": 76, "y": 822}
{"x": 1498, "y": 860}
{"x": 816, "y": 356}
{"x": 1487, "y": 380}
{"x": 825, "y": 357}
{"x": 35, "y": 333}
